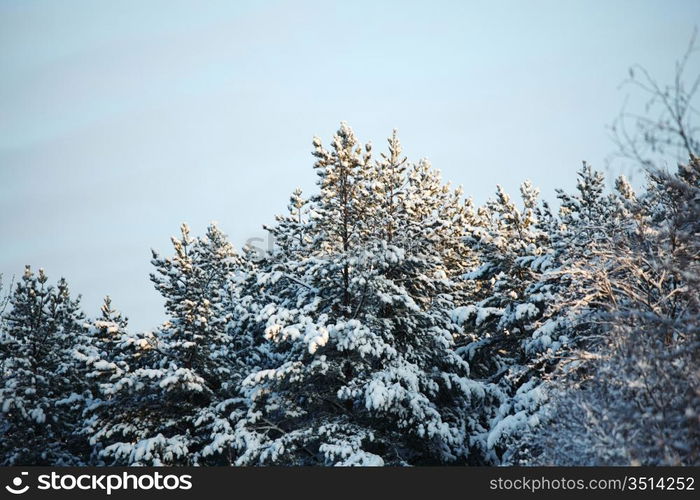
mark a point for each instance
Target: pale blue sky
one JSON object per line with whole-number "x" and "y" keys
{"x": 119, "y": 120}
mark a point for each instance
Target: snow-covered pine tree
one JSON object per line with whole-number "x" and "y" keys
{"x": 290, "y": 233}
{"x": 245, "y": 352}
{"x": 388, "y": 187}
{"x": 180, "y": 370}
{"x": 195, "y": 285}
{"x": 41, "y": 393}
{"x": 105, "y": 335}
{"x": 340, "y": 221}
{"x": 102, "y": 360}
{"x": 110, "y": 322}
{"x": 641, "y": 295}
{"x": 512, "y": 250}
{"x": 366, "y": 372}
{"x": 587, "y": 220}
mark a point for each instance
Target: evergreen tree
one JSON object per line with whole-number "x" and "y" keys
{"x": 40, "y": 389}
{"x": 171, "y": 375}
{"x": 393, "y": 323}
{"x": 291, "y": 232}
{"x": 512, "y": 250}
{"x": 103, "y": 359}
{"x": 641, "y": 299}
{"x": 366, "y": 372}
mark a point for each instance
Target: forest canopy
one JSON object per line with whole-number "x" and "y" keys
{"x": 393, "y": 323}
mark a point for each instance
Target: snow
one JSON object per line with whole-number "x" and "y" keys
{"x": 393, "y": 324}
{"x": 315, "y": 338}
{"x": 103, "y": 365}
{"x": 525, "y": 311}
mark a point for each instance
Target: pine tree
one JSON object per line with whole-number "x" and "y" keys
{"x": 639, "y": 334}
{"x": 175, "y": 373}
{"x": 512, "y": 250}
{"x": 366, "y": 373}
{"x": 104, "y": 359}
{"x": 41, "y": 390}
{"x": 291, "y": 231}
